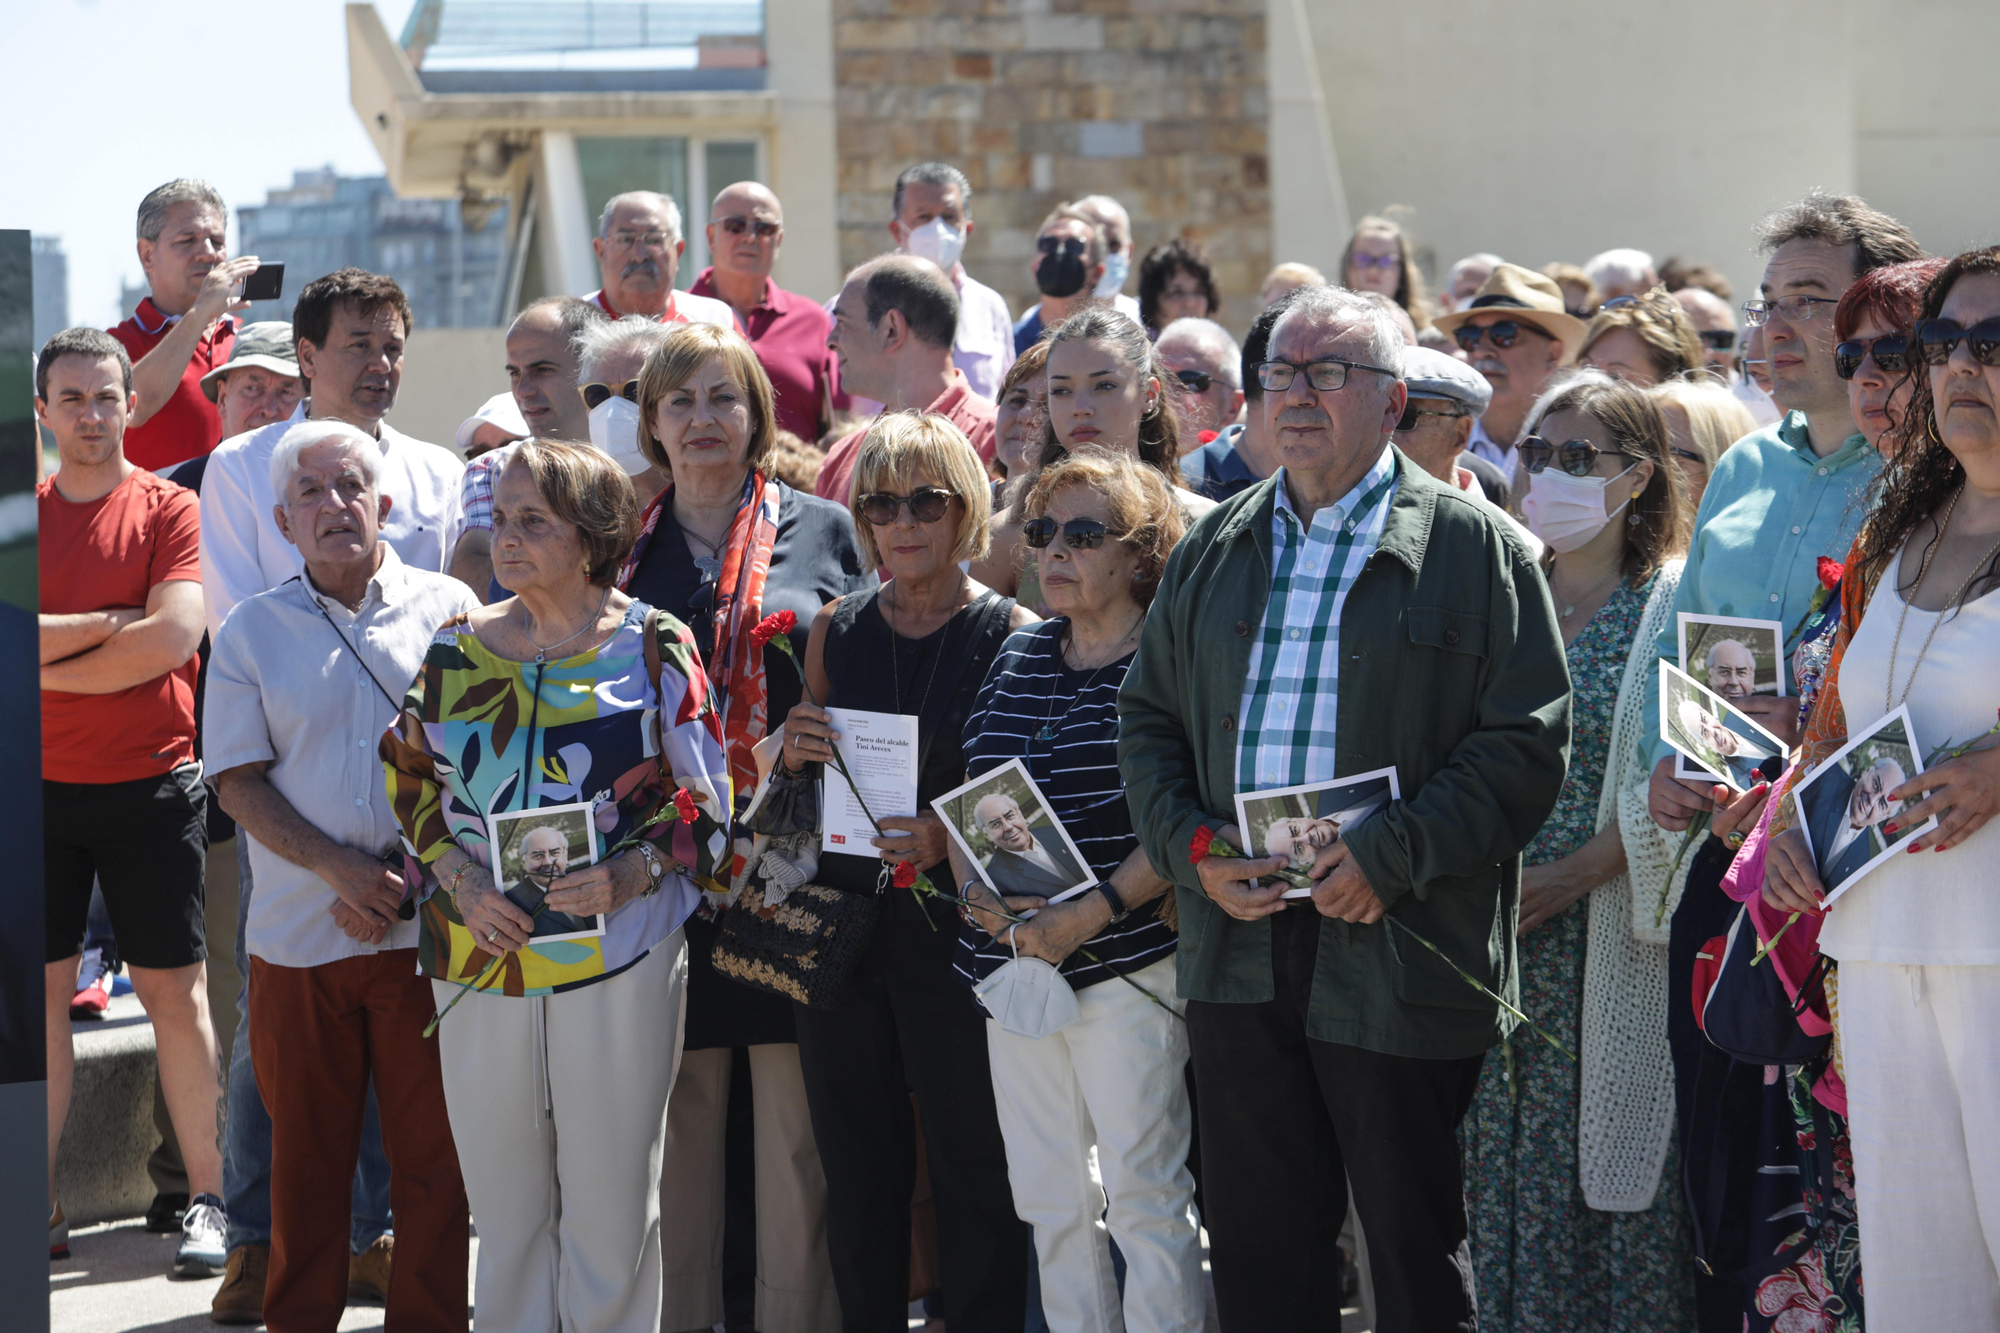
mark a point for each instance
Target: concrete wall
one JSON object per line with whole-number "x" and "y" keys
{"x": 447, "y": 374}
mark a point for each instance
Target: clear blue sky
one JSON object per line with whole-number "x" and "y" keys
{"x": 104, "y": 99}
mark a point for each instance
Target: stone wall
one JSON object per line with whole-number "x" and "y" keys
{"x": 1159, "y": 103}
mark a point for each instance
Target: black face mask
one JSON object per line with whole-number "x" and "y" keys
{"x": 1060, "y": 273}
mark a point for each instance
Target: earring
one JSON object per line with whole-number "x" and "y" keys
{"x": 1634, "y": 519}
{"x": 1930, "y": 425}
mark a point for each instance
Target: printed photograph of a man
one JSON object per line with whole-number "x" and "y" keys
{"x": 1002, "y": 824}
{"x": 1735, "y": 658}
{"x": 1844, "y": 805}
{"x": 1713, "y": 738}
{"x": 534, "y": 849}
{"x": 1300, "y": 822}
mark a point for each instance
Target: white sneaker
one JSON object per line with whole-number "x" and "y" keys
{"x": 204, "y": 1233}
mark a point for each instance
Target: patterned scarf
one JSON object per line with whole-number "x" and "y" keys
{"x": 734, "y": 665}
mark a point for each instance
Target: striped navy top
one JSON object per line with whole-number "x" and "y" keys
{"x": 1030, "y": 690}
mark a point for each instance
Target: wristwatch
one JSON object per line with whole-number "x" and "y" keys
{"x": 656, "y": 870}
{"x": 1119, "y": 911}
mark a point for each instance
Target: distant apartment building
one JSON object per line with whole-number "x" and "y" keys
{"x": 51, "y": 275}
{"x": 448, "y": 259}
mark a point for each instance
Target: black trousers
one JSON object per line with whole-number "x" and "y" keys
{"x": 1286, "y": 1122}
{"x": 912, "y": 1025}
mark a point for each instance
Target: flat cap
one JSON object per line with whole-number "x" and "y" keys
{"x": 1429, "y": 373}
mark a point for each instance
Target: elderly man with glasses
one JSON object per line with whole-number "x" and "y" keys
{"x": 1517, "y": 333}
{"x": 1201, "y": 355}
{"x": 639, "y": 247}
{"x": 1348, "y": 614}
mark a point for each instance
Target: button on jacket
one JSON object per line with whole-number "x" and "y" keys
{"x": 1452, "y": 670}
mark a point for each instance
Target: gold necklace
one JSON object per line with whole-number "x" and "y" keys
{"x": 1889, "y": 685}
{"x": 1595, "y": 588}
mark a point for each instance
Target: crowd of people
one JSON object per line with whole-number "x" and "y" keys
{"x": 531, "y": 747}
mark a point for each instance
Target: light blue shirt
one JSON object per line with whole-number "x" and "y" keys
{"x": 1772, "y": 508}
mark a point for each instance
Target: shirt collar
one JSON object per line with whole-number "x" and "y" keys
{"x": 953, "y": 396}
{"x": 772, "y": 298}
{"x": 1343, "y": 509}
{"x": 151, "y": 320}
{"x": 381, "y": 585}
{"x": 1792, "y": 431}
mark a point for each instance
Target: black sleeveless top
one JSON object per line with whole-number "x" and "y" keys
{"x": 938, "y": 678}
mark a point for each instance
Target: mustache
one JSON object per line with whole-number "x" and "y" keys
{"x": 649, "y": 267}
{"x": 1302, "y": 416}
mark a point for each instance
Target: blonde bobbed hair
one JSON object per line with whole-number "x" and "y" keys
{"x": 899, "y": 446}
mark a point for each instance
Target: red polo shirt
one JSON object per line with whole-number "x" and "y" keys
{"x": 790, "y": 334}
{"x": 967, "y": 410}
{"x": 187, "y": 424}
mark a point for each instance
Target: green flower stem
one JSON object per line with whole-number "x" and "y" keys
{"x": 1766, "y": 946}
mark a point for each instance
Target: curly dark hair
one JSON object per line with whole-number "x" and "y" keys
{"x": 1157, "y": 269}
{"x": 1159, "y": 433}
{"x": 1922, "y": 473}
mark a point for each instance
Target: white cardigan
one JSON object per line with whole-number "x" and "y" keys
{"x": 1625, "y": 1116}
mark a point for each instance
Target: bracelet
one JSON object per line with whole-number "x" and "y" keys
{"x": 451, "y": 890}
{"x": 1119, "y": 911}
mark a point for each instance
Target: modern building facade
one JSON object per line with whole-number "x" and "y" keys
{"x": 51, "y": 276}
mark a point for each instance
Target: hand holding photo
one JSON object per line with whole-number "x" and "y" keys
{"x": 1845, "y": 811}
{"x": 531, "y": 849}
{"x": 1714, "y": 740}
{"x": 1733, "y": 657}
{"x": 1300, "y": 822}
{"x": 1005, "y": 827}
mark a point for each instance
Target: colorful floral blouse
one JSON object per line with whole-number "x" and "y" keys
{"x": 480, "y": 735}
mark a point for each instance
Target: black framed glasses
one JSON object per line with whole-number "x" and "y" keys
{"x": 1504, "y": 333}
{"x": 1415, "y": 417}
{"x": 927, "y": 504}
{"x": 1688, "y": 454}
{"x": 1380, "y": 262}
{"x": 596, "y": 395}
{"x": 1576, "y": 457}
{"x": 736, "y": 225}
{"x": 1891, "y": 353}
{"x": 1197, "y": 381}
{"x": 1717, "y": 340}
{"x": 1325, "y": 375}
{"x": 1795, "y": 309}
{"x": 1079, "y": 534}
{"x": 1937, "y": 339}
{"x": 1070, "y": 245}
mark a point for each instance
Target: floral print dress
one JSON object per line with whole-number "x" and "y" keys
{"x": 1542, "y": 1258}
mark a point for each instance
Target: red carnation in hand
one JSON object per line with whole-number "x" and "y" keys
{"x": 684, "y": 805}
{"x": 1198, "y": 845}
{"x": 1830, "y": 572}
{"x": 771, "y": 626}
{"x": 905, "y": 876}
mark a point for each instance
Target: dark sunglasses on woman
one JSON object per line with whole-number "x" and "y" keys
{"x": 927, "y": 504}
{"x": 1197, "y": 381}
{"x": 1937, "y": 339}
{"x": 1504, "y": 333}
{"x": 1891, "y": 353}
{"x": 1576, "y": 457}
{"x": 1079, "y": 534}
{"x": 1717, "y": 340}
{"x": 596, "y": 395}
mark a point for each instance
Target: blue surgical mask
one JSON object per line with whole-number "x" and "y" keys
{"x": 1116, "y": 269}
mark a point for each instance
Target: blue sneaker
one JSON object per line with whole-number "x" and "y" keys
{"x": 204, "y": 1231}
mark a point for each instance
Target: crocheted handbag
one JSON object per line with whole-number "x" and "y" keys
{"x": 805, "y": 948}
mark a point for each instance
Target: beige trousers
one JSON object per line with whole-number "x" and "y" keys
{"x": 794, "y": 1276}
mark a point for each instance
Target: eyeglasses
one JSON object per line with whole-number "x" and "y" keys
{"x": 1415, "y": 416}
{"x": 1068, "y": 245}
{"x": 1576, "y": 457}
{"x": 736, "y": 226}
{"x": 927, "y": 504}
{"x": 1795, "y": 309}
{"x": 1688, "y": 454}
{"x": 1656, "y": 300}
{"x": 1937, "y": 339}
{"x": 1360, "y": 260}
{"x": 1891, "y": 353}
{"x": 1197, "y": 381}
{"x": 1079, "y": 534}
{"x": 596, "y": 395}
{"x": 1717, "y": 340}
{"x": 1504, "y": 333}
{"x": 639, "y": 240}
{"x": 1325, "y": 376}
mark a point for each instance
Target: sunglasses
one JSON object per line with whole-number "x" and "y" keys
{"x": 1414, "y": 417}
{"x": 1069, "y": 245}
{"x": 1324, "y": 376}
{"x": 927, "y": 504}
{"x": 1937, "y": 339}
{"x": 1359, "y": 260}
{"x": 1197, "y": 381}
{"x": 1891, "y": 353}
{"x": 1717, "y": 340}
{"x": 1576, "y": 457}
{"x": 1079, "y": 534}
{"x": 1504, "y": 333}
{"x": 596, "y": 395}
{"x": 1795, "y": 309}
{"x": 736, "y": 226}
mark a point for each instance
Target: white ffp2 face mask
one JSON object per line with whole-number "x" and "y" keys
{"x": 1565, "y": 511}
{"x": 938, "y": 242}
{"x": 1116, "y": 269}
{"x": 614, "y": 428}
{"x": 1029, "y": 998}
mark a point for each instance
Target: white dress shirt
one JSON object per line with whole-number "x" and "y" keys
{"x": 984, "y": 348}
{"x": 284, "y": 689}
{"x": 242, "y": 551}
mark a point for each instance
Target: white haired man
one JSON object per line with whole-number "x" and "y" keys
{"x": 1622, "y": 272}
{"x": 299, "y": 693}
{"x": 1209, "y": 365}
{"x": 1465, "y": 279}
{"x": 638, "y": 247}
{"x": 1322, "y": 1042}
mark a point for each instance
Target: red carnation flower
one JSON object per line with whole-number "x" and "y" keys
{"x": 1830, "y": 572}
{"x": 1198, "y": 845}
{"x": 684, "y": 805}
{"x": 771, "y": 626}
{"x": 905, "y": 876}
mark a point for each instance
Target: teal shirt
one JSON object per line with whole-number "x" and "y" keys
{"x": 1772, "y": 508}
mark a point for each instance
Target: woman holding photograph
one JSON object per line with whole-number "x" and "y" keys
{"x": 1577, "y": 1219}
{"x": 920, "y": 644}
{"x": 556, "y": 1075}
{"x": 1100, "y": 526}
{"x": 1918, "y": 941}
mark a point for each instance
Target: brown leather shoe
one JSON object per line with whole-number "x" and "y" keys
{"x": 368, "y": 1273}
{"x": 240, "y": 1299}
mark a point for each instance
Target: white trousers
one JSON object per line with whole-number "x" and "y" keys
{"x": 1113, "y": 1084}
{"x": 1923, "y": 1100}
{"x": 559, "y": 1107}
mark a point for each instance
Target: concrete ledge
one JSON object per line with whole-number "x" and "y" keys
{"x": 101, "y": 1166}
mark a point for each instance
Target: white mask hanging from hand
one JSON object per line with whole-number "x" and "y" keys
{"x": 1565, "y": 511}
{"x": 1028, "y": 997}
{"x": 938, "y": 242}
{"x": 614, "y": 428}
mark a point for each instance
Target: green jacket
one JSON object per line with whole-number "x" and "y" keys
{"x": 1453, "y": 671}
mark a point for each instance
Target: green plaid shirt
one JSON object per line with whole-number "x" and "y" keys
{"x": 1285, "y": 732}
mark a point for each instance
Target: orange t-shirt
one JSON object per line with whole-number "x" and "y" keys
{"x": 110, "y": 553}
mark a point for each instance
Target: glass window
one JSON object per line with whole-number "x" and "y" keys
{"x": 729, "y": 162}
{"x": 613, "y": 166}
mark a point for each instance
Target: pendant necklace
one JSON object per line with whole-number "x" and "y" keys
{"x": 1896, "y": 647}
{"x": 1047, "y": 731}
{"x": 542, "y": 654}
